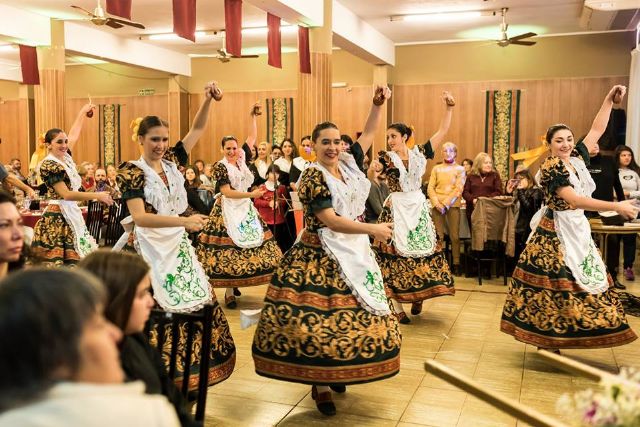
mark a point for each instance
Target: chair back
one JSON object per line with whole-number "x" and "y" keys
{"x": 95, "y": 215}
{"x": 117, "y": 212}
{"x": 177, "y": 336}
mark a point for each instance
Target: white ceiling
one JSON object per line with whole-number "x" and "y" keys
{"x": 545, "y": 17}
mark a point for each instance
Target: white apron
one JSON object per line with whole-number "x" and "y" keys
{"x": 414, "y": 234}
{"x": 83, "y": 241}
{"x": 179, "y": 281}
{"x": 580, "y": 254}
{"x": 352, "y": 252}
{"x": 240, "y": 215}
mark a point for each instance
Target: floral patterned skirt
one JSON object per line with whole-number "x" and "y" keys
{"x": 226, "y": 264}
{"x": 313, "y": 331}
{"x": 54, "y": 240}
{"x": 545, "y": 306}
{"x": 412, "y": 279}
{"x": 222, "y": 357}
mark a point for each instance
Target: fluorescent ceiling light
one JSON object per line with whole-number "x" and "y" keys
{"x": 442, "y": 16}
{"x": 612, "y": 4}
{"x": 171, "y": 36}
{"x": 8, "y": 47}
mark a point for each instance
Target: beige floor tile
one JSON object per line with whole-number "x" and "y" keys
{"x": 237, "y": 411}
{"x": 311, "y": 417}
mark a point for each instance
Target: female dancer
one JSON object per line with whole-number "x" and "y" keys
{"x": 262, "y": 163}
{"x": 560, "y": 295}
{"x": 61, "y": 236}
{"x": 413, "y": 264}
{"x": 236, "y": 247}
{"x": 326, "y": 319}
{"x": 153, "y": 189}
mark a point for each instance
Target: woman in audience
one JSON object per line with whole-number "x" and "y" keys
{"x": 192, "y": 184}
{"x": 112, "y": 172}
{"x": 529, "y": 196}
{"x": 413, "y": 264}
{"x": 378, "y": 193}
{"x": 12, "y": 246}
{"x": 300, "y": 163}
{"x": 326, "y": 319}
{"x": 467, "y": 164}
{"x": 59, "y": 362}
{"x": 276, "y": 152}
{"x": 629, "y": 174}
{"x": 272, "y": 206}
{"x": 206, "y": 178}
{"x": 236, "y": 247}
{"x": 61, "y": 236}
{"x": 153, "y": 189}
{"x": 262, "y": 163}
{"x": 482, "y": 181}
{"x": 560, "y": 295}
{"x": 128, "y": 306}
{"x": 289, "y": 152}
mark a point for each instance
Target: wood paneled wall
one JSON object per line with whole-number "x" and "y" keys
{"x": 131, "y": 108}
{"x": 573, "y": 101}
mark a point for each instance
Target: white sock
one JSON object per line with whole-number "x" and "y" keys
{"x": 397, "y": 307}
{"x": 322, "y": 388}
{"x": 228, "y": 292}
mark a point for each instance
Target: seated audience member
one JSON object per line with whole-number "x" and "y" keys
{"x": 88, "y": 179}
{"x": 102, "y": 184}
{"x": 111, "y": 177}
{"x": 199, "y": 164}
{"x": 300, "y": 163}
{"x": 467, "y": 164}
{"x": 272, "y": 207}
{"x": 529, "y": 196}
{"x": 354, "y": 149}
{"x": 445, "y": 190}
{"x": 482, "y": 181}
{"x": 59, "y": 361}
{"x": 16, "y": 166}
{"x": 276, "y": 152}
{"x": 259, "y": 167}
{"x": 129, "y": 303}
{"x": 192, "y": 184}
{"x": 206, "y": 178}
{"x": 378, "y": 192}
{"x": 12, "y": 245}
{"x": 604, "y": 172}
{"x": 9, "y": 179}
{"x": 87, "y": 183}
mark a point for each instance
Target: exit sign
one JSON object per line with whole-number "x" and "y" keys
{"x": 146, "y": 92}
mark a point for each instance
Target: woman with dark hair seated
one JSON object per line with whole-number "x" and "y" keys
{"x": 59, "y": 360}
{"x": 192, "y": 184}
{"x": 12, "y": 245}
{"x": 129, "y": 303}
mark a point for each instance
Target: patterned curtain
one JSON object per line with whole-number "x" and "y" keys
{"x": 501, "y": 128}
{"x": 109, "y": 133}
{"x": 279, "y": 119}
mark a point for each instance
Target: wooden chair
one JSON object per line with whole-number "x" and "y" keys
{"x": 166, "y": 328}
{"x": 507, "y": 405}
{"x": 95, "y": 214}
{"x": 117, "y": 212}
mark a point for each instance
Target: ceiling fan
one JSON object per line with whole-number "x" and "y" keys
{"x": 224, "y": 56}
{"x": 506, "y": 40}
{"x": 99, "y": 17}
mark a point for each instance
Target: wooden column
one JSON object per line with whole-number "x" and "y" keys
{"x": 381, "y": 74}
{"x": 314, "y": 90}
{"x": 26, "y": 132}
{"x": 178, "y": 118}
{"x": 49, "y": 95}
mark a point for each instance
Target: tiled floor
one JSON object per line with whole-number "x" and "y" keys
{"x": 460, "y": 332}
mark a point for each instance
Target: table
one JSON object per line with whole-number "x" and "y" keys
{"x": 30, "y": 218}
{"x": 597, "y": 227}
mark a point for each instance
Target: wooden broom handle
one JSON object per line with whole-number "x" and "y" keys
{"x": 506, "y": 405}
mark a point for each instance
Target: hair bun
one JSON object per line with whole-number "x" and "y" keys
{"x": 411, "y": 141}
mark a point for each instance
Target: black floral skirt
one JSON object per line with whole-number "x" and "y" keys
{"x": 312, "y": 329}
{"x": 412, "y": 279}
{"x": 54, "y": 240}
{"x": 228, "y": 265}
{"x": 545, "y": 306}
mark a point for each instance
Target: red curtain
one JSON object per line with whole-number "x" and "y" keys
{"x": 29, "y": 64}
{"x": 233, "y": 26}
{"x": 274, "y": 41}
{"x": 303, "y": 50}
{"x": 121, "y": 8}
{"x": 184, "y": 19}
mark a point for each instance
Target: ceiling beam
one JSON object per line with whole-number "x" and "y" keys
{"x": 21, "y": 26}
{"x": 104, "y": 45}
{"x": 307, "y": 12}
{"x": 356, "y": 36}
